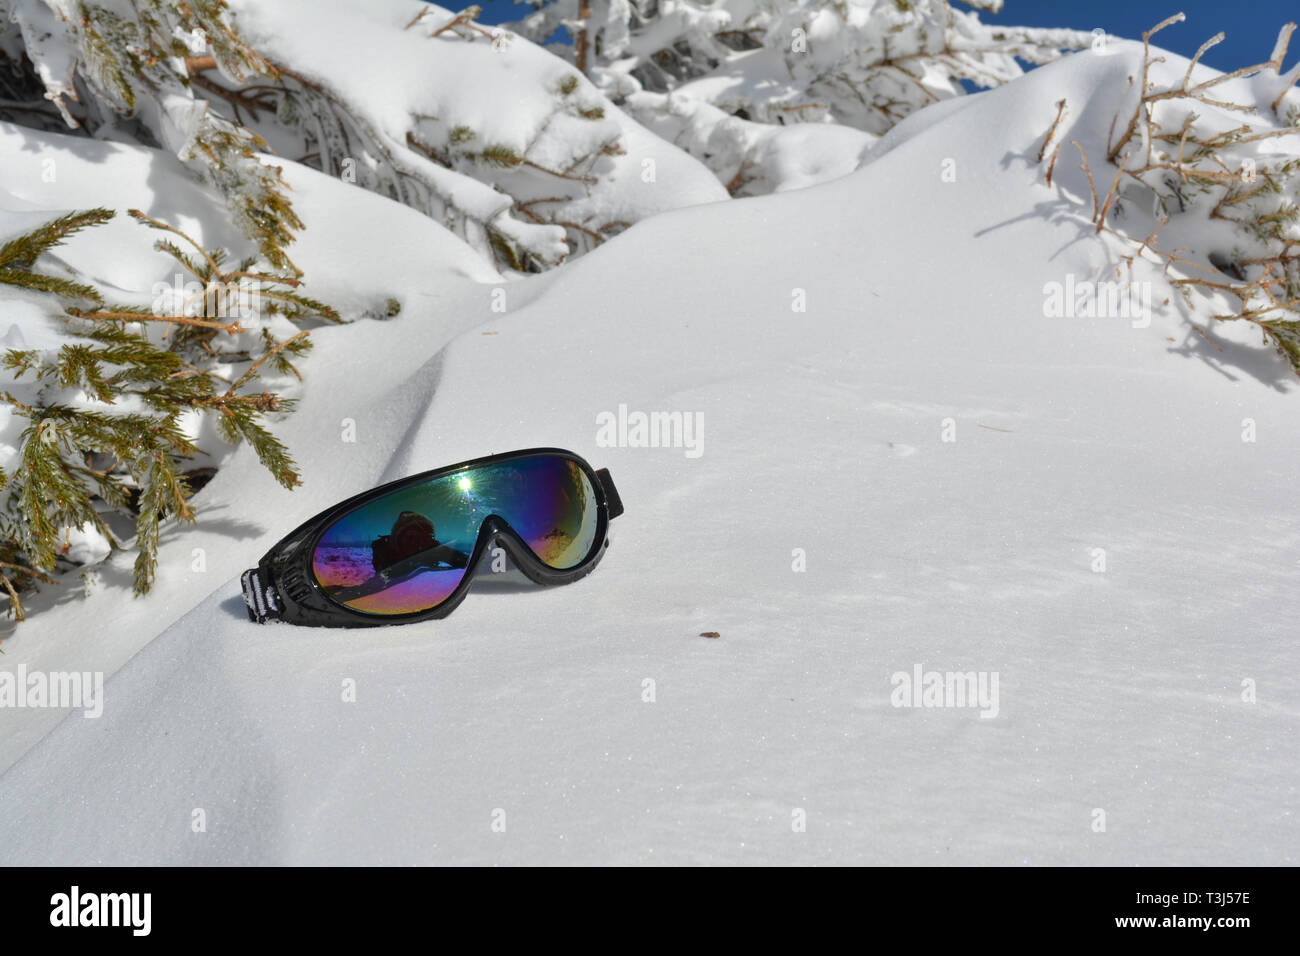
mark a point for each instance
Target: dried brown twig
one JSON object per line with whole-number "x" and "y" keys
{"x": 1210, "y": 169}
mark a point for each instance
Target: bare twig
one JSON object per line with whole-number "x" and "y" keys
{"x": 1110, "y": 196}
{"x": 1142, "y": 88}
{"x": 231, "y": 328}
{"x": 1211, "y": 42}
{"x": 251, "y": 371}
{"x": 582, "y": 42}
{"x": 1088, "y": 171}
{"x": 1052, "y": 165}
{"x": 1042, "y": 150}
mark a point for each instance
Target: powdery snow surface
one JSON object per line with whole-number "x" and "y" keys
{"x": 1119, "y": 691}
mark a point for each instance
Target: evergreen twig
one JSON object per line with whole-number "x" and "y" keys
{"x": 143, "y": 389}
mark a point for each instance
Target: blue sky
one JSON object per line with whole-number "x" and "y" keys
{"x": 1251, "y": 25}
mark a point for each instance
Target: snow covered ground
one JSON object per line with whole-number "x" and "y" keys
{"x": 944, "y": 458}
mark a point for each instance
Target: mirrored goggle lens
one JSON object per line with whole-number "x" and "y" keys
{"x": 409, "y": 550}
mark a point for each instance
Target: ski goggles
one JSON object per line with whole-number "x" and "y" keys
{"x": 407, "y": 551}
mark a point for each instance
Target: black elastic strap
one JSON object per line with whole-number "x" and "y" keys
{"x": 262, "y": 600}
{"x": 612, "y": 499}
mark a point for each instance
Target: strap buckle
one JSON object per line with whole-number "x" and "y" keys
{"x": 612, "y": 500}
{"x": 260, "y": 596}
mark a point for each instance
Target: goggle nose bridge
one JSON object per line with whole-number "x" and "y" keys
{"x": 496, "y": 530}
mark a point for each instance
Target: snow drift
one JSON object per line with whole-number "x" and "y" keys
{"x": 971, "y": 486}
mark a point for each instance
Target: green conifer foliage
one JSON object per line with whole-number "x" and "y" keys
{"x": 106, "y": 434}
{"x": 130, "y": 63}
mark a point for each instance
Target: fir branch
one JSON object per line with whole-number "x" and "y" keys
{"x": 18, "y": 256}
{"x": 23, "y": 251}
{"x": 52, "y": 284}
{"x": 144, "y": 447}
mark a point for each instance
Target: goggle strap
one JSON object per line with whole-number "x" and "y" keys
{"x": 612, "y": 499}
{"x": 261, "y": 598}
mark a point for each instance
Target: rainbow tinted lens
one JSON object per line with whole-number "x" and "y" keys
{"x": 408, "y": 550}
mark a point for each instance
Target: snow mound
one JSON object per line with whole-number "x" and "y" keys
{"x": 1063, "y": 505}
{"x": 528, "y": 146}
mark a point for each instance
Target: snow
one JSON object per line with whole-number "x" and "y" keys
{"x": 438, "y": 279}
{"x": 824, "y": 428}
{"x": 512, "y": 103}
